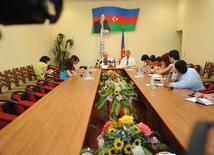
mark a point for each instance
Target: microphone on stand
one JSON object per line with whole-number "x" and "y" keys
{"x": 97, "y": 62}
{"x": 114, "y": 61}
{"x": 100, "y": 63}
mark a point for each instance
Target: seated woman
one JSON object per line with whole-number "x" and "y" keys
{"x": 75, "y": 62}
{"x": 67, "y": 69}
{"x": 151, "y": 62}
{"x": 166, "y": 65}
{"x": 41, "y": 68}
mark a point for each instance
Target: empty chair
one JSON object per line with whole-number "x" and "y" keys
{"x": 47, "y": 85}
{"x": 38, "y": 91}
{"x": 207, "y": 67}
{"x": 6, "y": 118}
{"x": 23, "y": 100}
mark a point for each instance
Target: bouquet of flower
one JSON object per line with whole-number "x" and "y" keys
{"x": 116, "y": 96}
{"x": 110, "y": 74}
{"x": 128, "y": 137}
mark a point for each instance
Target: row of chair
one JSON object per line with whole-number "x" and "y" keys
{"x": 22, "y": 100}
{"x": 16, "y": 79}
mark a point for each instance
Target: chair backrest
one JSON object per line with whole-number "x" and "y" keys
{"x": 3, "y": 83}
{"x": 31, "y": 73}
{"x": 20, "y": 96}
{"x": 207, "y": 67}
{"x": 197, "y": 68}
{"x": 11, "y": 79}
{"x": 211, "y": 71}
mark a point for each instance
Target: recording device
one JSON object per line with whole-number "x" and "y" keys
{"x": 29, "y": 11}
{"x": 192, "y": 94}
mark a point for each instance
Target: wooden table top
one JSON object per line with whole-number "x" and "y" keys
{"x": 56, "y": 124}
{"x": 179, "y": 116}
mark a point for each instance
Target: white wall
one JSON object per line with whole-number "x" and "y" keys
{"x": 195, "y": 19}
{"x": 24, "y": 44}
{"x": 154, "y": 34}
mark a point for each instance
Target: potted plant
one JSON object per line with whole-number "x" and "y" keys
{"x": 60, "y": 49}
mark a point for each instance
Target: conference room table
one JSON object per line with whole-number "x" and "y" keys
{"x": 57, "y": 123}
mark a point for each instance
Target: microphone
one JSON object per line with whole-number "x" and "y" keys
{"x": 97, "y": 62}
{"x": 100, "y": 63}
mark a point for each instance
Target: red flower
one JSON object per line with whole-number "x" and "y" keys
{"x": 105, "y": 127}
{"x": 146, "y": 130}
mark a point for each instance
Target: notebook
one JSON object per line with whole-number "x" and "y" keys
{"x": 203, "y": 101}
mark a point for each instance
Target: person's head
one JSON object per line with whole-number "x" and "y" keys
{"x": 128, "y": 53}
{"x": 165, "y": 59}
{"x": 102, "y": 17}
{"x": 158, "y": 61}
{"x": 68, "y": 64}
{"x": 75, "y": 59}
{"x": 152, "y": 58}
{"x": 44, "y": 59}
{"x": 181, "y": 66}
{"x": 105, "y": 55}
{"x": 173, "y": 55}
{"x": 145, "y": 58}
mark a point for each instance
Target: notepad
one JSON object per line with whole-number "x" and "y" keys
{"x": 203, "y": 101}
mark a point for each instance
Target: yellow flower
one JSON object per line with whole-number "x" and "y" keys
{"x": 123, "y": 96}
{"x": 126, "y": 119}
{"x": 135, "y": 128}
{"x": 128, "y": 149}
{"x": 125, "y": 111}
{"x": 112, "y": 95}
{"x": 118, "y": 144}
{"x": 131, "y": 82}
{"x": 107, "y": 90}
{"x": 123, "y": 81}
{"x": 112, "y": 151}
{"x": 112, "y": 130}
{"x": 116, "y": 91}
{"x": 137, "y": 142}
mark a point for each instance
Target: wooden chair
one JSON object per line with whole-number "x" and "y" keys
{"x": 31, "y": 73}
{"x": 207, "y": 67}
{"x": 210, "y": 74}
{"x": 5, "y": 89}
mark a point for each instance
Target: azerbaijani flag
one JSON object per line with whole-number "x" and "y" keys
{"x": 117, "y": 17}
{"x": 122, "y": 46}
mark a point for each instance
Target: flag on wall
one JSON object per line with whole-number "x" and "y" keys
{"x": 122, "y": 45}
{"x": 117, "y": 17}
{"x": 101, "y": 44}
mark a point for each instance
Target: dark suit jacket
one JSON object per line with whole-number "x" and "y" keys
{"x": 97, "y": 26}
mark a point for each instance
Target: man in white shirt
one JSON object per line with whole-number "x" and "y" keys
{"x": 127, "y": 61}
{"x": 190, "y": 78}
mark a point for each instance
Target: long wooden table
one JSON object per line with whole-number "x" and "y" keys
{"x": 56, "y": 124}
{"x": 168, "y": 110}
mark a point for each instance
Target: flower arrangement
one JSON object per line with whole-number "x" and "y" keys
{"x": 128, "y": 137}
{"x": 110, "y": 74}
{"x": 116, "y": 97}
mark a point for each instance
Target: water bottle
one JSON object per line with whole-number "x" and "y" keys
{"x": 152, "y": 83}
{"x": 140, "y": 71}
{"x": 88, "y": 71}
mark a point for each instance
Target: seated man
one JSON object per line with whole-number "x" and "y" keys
{"x": 190, "y": 78}
{"x": 127, "y": 61}
{"x": 105, "y": 60}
